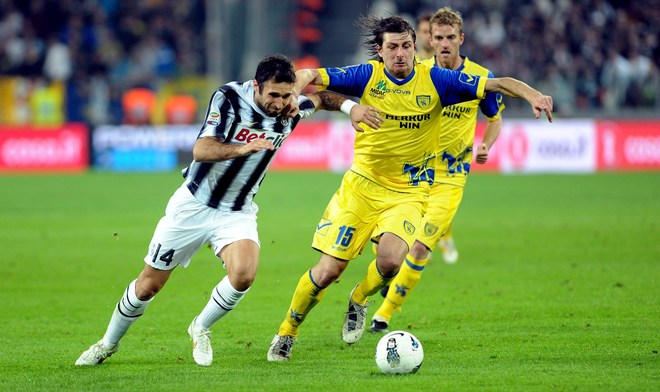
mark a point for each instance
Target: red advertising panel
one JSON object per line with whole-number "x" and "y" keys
{"x": 628, "y": 145}
{"x": 524, "y": 146}
{"x": 317, "y": 145}
{"x": 305, "y": 149}
{"x": 29, "y": 149}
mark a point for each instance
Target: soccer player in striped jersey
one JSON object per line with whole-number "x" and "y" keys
{"x": 456, "y": 140}
{"x": 384, "y": 195}
{"x": 246, "y": 124}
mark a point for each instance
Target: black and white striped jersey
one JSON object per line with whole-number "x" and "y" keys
{"x": 234, "y": 117}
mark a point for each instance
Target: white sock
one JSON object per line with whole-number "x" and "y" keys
{"x": 223, "y": 299}
{"x": 128, "y": 310}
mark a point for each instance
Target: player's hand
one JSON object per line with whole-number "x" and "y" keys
{"x": 292, "y": 109}
{"x": 256, "y": 145}
{"x": 542, "y": 103}
{"x": 482, "y": 154}
{"x": 365, "y": 114}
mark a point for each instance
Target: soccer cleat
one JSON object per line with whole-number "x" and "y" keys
{"x": 379, "y": 326}
{"x": 280, "y": 348}
{"x": 201, "y": 343}
{"x": 96, "y": 354}
{"x": 448, "y": 250}
{"x": 354, "y": 320}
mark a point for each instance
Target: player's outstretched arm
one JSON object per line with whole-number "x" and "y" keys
{"x": 304, "y": 77}
{"x": 515, "y": 88}
{"x": 328, "y": 100}
{"x": 365, "y": 114}
{"x": 210, "y": 149}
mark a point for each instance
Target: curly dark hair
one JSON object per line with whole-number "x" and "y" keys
{"x": 374, "y": 28}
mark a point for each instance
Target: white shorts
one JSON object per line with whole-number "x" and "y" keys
{"x": 188, "y": 225}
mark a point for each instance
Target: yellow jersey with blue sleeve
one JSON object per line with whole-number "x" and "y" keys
{"x": 456, "y": 132}
{"x": 401, "y": 154}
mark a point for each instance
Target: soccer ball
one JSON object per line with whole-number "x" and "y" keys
{"x": 399, "y": 352}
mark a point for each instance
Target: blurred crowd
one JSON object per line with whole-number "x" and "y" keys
{"x": 588, "y": 54}
{"x": 99, "y": 49}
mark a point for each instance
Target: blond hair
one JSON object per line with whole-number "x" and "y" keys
{"x": 448, "y": 16}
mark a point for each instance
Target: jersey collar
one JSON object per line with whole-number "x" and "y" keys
{"x": 397, "y": 81}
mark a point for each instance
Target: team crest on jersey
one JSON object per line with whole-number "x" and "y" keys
{"x": 284, "y": 121}
{"x": 423, "y": 101}
{"x": 430, "y": 229}
{"x": 409, "y": 227}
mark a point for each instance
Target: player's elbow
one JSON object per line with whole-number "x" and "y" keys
{"x": 201, "y": 150}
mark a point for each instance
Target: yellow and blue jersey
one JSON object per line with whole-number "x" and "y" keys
{"x": 456, "y": 132}
{"x": 401, "y": 154}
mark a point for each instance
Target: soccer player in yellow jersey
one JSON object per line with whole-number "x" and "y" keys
{"x": 454, "y": 156}
{"x": 426, "y": 53}
{"x": 384, "y": 195}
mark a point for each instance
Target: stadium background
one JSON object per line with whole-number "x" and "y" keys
{"x": 557, "y": 286}
{"x": 122, "y": 85}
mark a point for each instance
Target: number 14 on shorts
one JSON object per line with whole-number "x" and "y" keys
{"x": 166, "y": 257}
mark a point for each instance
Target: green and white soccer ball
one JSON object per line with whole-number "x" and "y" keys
{"x": 399, "y": 352}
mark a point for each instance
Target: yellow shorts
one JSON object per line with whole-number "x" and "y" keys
{"x": 443, "y": 204}
{"x": 362, "y": 210}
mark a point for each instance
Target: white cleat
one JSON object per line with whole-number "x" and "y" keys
{"x": 280, "y": 348}
{"x": 354, "y": 320}
{"x": 201, "y": 343}
{"x": 96, "y": 354}
{"x": 449, "y": 251}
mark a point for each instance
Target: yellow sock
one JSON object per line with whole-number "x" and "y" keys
{"x": 306, "y": 296}
{"x": 449, "y": 232}
{"x": 401, "y": 287}
{"x": 372, "y": 282}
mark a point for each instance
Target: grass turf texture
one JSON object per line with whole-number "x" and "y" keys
{"x": 556, "y": 289}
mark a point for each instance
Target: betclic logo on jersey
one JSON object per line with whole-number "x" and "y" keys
{"x": 247, "y": 135}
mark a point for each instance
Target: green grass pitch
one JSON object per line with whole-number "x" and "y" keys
{"x": 557, "y": 288}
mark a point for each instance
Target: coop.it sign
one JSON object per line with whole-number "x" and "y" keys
{"x": 53, "y": 149}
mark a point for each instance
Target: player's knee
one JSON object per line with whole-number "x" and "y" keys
{"x": 419, "y": 251}
{"x": 327, "y": 270}
{"x": 241, "y": 282}
{"x": 147, "y": 289}
{"x": 324, "y": 277}
{"x": 388, "y": 266}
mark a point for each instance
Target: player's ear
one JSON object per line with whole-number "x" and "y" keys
{"x": 256, "y": 87}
